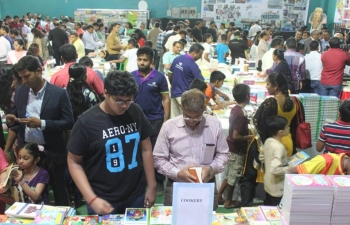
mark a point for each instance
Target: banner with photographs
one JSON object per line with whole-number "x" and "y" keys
{"x": 342, "y": 16}
{"x": 287, "y": 15}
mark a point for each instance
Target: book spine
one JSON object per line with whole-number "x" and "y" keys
{"x": 19, "y": 211}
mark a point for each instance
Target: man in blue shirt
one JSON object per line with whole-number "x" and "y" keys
{"x": 169, "y": 57}
{"x": 222, "y": 49}
{"x": 153, "y": 98}
{"x": 181, "y": 73}
{"x": 89, "y": 40}
{"x": 4, "y": 31}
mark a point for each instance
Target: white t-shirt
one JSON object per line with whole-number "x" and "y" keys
{"x": 207, "y": 49}
{"x": 130, "y": 54}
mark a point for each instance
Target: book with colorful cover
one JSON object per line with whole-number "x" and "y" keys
{"x": 136, "y": 216}
{"x": 81, "y": 220}
{"x": 340, "y": 181}
{"x": 235, "y": 219}
{"x": 4, "y": 177}
{"x": 23, "y": 210}
{"x": 160, "y": 215}
{"x": 252, "y": 214}
{"x": 49, "y": 217}
{"x": 272, "y": 214}
{"x": 19, "y": 221}
{"x": 298, "y": 158}
{"x": 115, "y": 219}
{"x": 259, "y": 223}
{"x": 308, "y": 180}
{"x": 65, "y": 209}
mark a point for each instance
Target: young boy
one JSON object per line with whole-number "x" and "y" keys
{"x": 327, "y": 164}
{"x": 336, "y": 136}
{"x": 237, "y": 140}
{"x": 129, "y": 55}
{"x": 222, "y": 49}
{"x": 216, "y": 80}
{"x": 274, "y": 156}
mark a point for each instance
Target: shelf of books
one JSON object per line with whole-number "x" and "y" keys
{"x": 307, "y": 199}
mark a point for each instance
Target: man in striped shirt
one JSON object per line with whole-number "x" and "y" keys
{"x": 335, "y": 137}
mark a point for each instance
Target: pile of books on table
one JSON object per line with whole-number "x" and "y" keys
{"x": 307, "y": 199}
{"x": 341, "y": 202}
{"x": 26, "y": 213}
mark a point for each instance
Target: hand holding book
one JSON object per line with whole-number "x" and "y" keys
{"x": 17, "y": 175}
{"x": 185, "y": 175}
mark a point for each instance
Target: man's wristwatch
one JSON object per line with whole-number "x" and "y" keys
{"x": 211, "y": 171}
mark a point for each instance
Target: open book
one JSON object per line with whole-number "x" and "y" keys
{"x": 196, "y": 172}
{"x": 4, "y": 177}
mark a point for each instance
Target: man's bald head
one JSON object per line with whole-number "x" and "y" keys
{"x": 338, "y": 35}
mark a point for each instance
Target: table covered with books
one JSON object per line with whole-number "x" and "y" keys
{"x": 307, "y": 199}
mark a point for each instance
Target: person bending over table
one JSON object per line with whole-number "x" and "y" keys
{"x": 191, "y": 139}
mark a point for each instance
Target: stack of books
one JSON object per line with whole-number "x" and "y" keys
{"x": 329, "y": 112}
{"x": 307, "y": 199}
{"x": 340, "y": 213}
{"x": 311, "y": 103}
{"x": 27, "y": 213}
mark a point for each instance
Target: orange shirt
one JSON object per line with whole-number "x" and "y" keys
{"x": 209, "y": 93}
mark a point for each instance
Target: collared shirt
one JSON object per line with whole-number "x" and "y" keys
{"x": 179, "y": 146}
{"x": 267, "y": 61}
{"x": 324, "y": 44}
{"x": 25, "y": 30}
{"x": 168, "y": 58}
{"x": 80, "y": 47}
{"x": 33, "y": 109}
{"x": 296, "y": 65}
{"x": 149, "y": 96}
{"x": 112, "y": 41}
{"x": 171, "y": 40}
{"x": 160, "y": 39}
{"x": 90, "y": 42}
{"x": 334, "y": 61}
{"x": 61, "y": 79}
{"x": 5, "y": 47}
{"x": 184, "y": 70}
{"x": 263, "y": 47}
{"x": 10, "y": 40}
{"x": 314, "y": 65}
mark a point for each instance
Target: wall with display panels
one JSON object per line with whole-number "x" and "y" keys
{"x": 286, "y": 15}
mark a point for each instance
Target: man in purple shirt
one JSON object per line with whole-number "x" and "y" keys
{"x": 181, "y": 73}
{"x": 296, "y": 64}
{"x": 4, "y": 31}
{"x": 152, "y": 97}
{"x": 192, "y": 139}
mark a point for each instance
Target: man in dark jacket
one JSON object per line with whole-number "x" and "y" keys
{"x": 58, "y": 38}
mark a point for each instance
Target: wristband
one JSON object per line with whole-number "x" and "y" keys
{"x": 92, "y": 200}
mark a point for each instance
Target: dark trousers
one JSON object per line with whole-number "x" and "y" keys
{"x": 248, "y": 180}
{"x": 114, "y": 57}
{"x": 87, "y": 51}
{"x": 156, "y": 125}
{"x": 272, "y": 201}
{"x": 58, "y": 181}
{"x": 58, "y": 59}
{"x": 119, "y": 208}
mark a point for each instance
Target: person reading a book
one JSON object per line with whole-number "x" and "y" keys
{"x": 327, "y": 164}
{"x": 237, "y": 141}
{"x": 190, "y": 140}
{"x": 335, "y": 137}
{"x": 31, "y": 181}
{"x": 274, "y": 156}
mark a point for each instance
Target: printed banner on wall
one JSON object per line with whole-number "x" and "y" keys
{"x": 287, "y": 15}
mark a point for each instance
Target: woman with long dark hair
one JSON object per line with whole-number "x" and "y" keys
{"x": 34, "y": 50}
{"x": 81, "y": 95}
{"x": 42, "y": 41}
{"x": 129, "y": 28}
{"x": 282, "y": 67}
{"x": 282, "y": 105}
{"x": 141, "y": 37}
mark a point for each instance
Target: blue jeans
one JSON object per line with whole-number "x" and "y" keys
{"x": 327, "y": 90}
{"x": 119, "y": 208}
{"x": 316, "y": 85}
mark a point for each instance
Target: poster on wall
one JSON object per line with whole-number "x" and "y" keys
{"x": 287, "y": 15}
{"x": 109, "y": 16}
{"x": 192, "y": 12}
{"x": 342, "y": 16}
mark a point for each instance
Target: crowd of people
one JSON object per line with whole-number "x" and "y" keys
{"x": 144, "y": 126}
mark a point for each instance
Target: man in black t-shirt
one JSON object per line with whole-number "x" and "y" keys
{"x": 197, "y": 32}
{"x": 113, "y": 140}
{"x": 237, "y": 46}
{"x": 212, "y": 30}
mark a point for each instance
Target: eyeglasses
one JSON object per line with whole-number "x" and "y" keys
{"x": 193, "y": 119}
{"x": 121, "y": 102}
